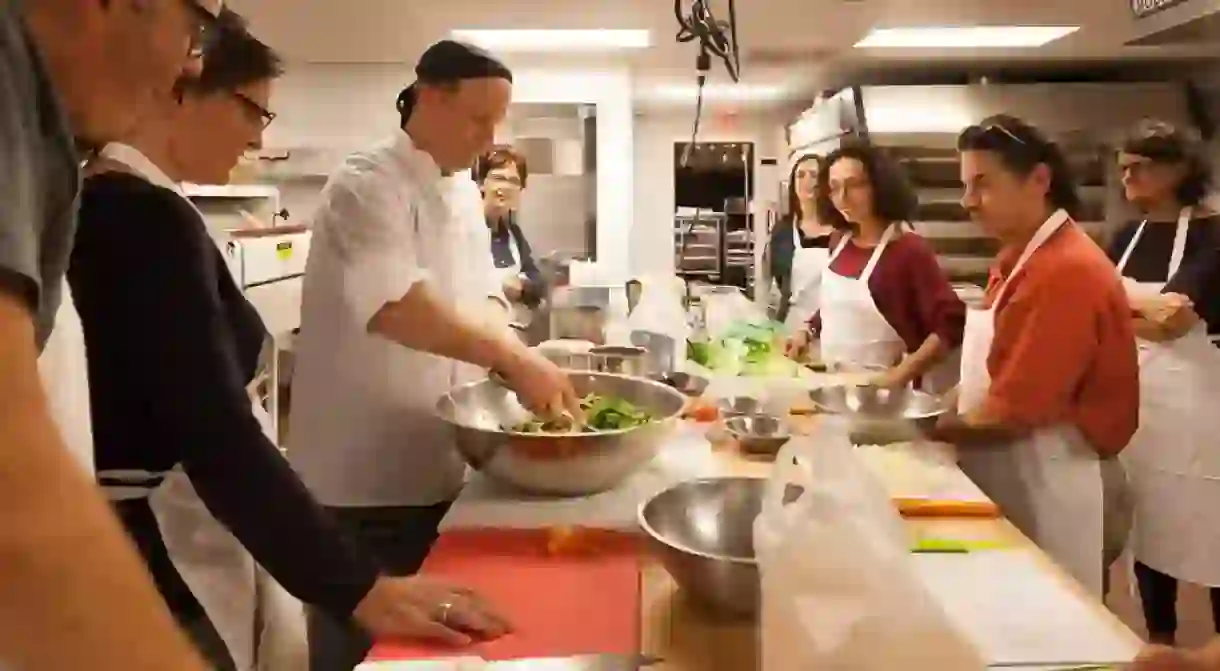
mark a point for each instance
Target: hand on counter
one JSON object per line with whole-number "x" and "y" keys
{"x": 418, "y": 608}
{"x": 1162, "y": 658}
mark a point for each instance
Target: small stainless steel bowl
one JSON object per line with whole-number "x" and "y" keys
{"x": 739, "y": 405}
{"x": 703, "y": 533}
{"x": 691, "y": 385}
{"x": 759, "y": 434}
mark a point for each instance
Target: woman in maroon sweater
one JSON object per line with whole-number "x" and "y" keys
{"x": 886, "y": 303}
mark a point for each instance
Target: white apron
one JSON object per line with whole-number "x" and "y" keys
{"x": 855, "y": 335}
{"x": 65, "y": 377}
{"x": 235, "y": 593}
{"x": 1049, "y": 484}
{"x": 1173, "y": 461}
{"x": 806, "y": 280}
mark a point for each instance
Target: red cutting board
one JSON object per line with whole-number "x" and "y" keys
{"x": 561, "y": 602}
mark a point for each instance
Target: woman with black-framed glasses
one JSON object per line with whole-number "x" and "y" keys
{"x": 173, "y": 348}
{"x": 1170, "y": 263}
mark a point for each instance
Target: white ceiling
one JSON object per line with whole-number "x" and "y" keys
{"x": 790, "y": 47}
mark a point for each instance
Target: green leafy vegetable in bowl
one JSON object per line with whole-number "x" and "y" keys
{"x": 699, "y": 352}
{"x": 602, "y": 413}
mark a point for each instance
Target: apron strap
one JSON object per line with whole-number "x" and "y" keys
{"x": 1139, "y": 231}
{"x": 872, "y": 261}
{"x": 1179, "y": 243}
{"x": 838, "y": 248}
{"x": 129, "y": 484}
{"x": 1048, "y": 228}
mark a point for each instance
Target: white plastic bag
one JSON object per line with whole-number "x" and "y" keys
{"x": 660, "y": 311}
{"x": 839, "y": 587}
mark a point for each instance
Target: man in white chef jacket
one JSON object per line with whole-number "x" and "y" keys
{"x": 396, "y": 296}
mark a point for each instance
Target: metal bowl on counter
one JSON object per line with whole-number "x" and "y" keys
{"x": 880, "y": 415}
{"x": 573, "y": 464}
{"x": 692, "y": 386}
{"x": 703, "y": 533}
{"x": 621, "y": 359}
{"x": 758, "y": 434}
{"x": 738, "y": 406}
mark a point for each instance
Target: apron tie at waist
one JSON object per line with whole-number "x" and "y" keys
{"x": 129, "y": 484}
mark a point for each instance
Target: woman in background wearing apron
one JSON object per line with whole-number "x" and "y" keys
{"x": 181, "y": 442}
{"x": 1049, "y": 388}
{"x": 800, "y": 247}
{"x": 886, "y": 305}
{"x": 501, "y": 174}
{"x": 1174, "y": 460}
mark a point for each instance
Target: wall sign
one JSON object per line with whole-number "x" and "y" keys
{"x": 1145, "y": 8}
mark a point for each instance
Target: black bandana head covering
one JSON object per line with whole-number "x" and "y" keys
{"x": 450, "y": 62}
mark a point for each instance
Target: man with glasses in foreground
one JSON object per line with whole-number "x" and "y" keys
{"x": 1049, "y": 390}
{"x": 73, "y": 73}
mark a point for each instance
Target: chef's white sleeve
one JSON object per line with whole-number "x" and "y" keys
{"x": 373, "y": 231}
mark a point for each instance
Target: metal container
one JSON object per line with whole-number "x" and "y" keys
{"x": 703, "y": 533}
{"x": 879, "y": 415}
{"x": 691, "y": 385}
{"x": 662, "y": 356}
{"x": 620, "y": 359}
{"x": 759, "y": 434}
{"x": 579, "y": 313}
{"x": 739, "y": 405}
{"x": 558, "y": 465}
{"x": 568, "y": 354}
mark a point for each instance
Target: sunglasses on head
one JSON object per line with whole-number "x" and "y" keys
{"x": 1151, "y": 129}
{"x": 204, "y": 29}
{"x": 993, "y": 129}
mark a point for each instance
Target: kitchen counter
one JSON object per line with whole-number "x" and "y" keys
{"x": 678, "y": 633}
{"x": 688, "y": 640}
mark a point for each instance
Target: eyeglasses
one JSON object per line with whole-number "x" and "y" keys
{"x": 256, "y": 111}
{"x": 504, "y": 181}
{"x": 204, "y": 28}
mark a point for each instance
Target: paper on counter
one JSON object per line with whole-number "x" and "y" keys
{"x": 921, "y": 470}
{"x": 1019, "y": 614}
{"x": 486, "y": 503}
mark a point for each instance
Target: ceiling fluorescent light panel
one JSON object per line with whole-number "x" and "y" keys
{"x": 963, "y": 37}
{"x": 540, "y": 41}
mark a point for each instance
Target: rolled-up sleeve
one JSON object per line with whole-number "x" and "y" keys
{"x": 21, "y": 221}
{"x": 372, "y": 228}
{"x": 1045, "y": 340}
{"x": 938, "y": 308}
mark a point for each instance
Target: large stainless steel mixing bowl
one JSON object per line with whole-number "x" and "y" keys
{"x": 874, "y": 402}
{"x": 558, "y": 465}
{"x": 879, "y": 416}
{"x": 703, "y": 532}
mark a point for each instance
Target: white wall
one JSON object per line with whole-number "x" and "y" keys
{"x": 351, "y": 106}
{"x": 655, "y": 134}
